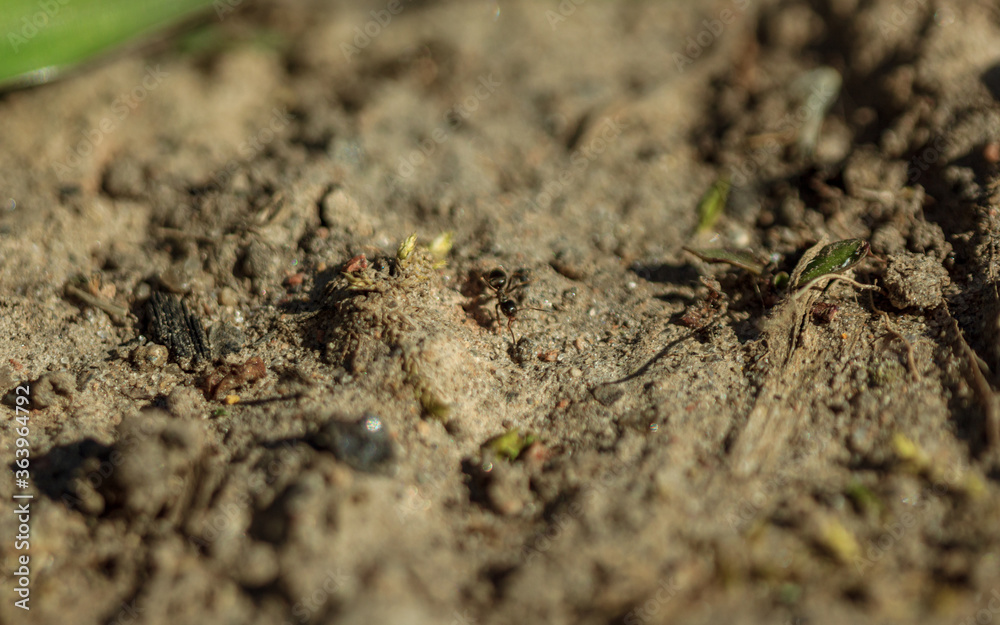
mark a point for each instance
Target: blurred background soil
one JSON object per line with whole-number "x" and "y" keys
{"x": 704, "y": 452}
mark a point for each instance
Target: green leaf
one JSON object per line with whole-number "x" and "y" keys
{"x": 712, "y": 204}
{"x": 510, "y": 444}
{"x": 867, "y": 501}
{"x": 440, "y": 246}
{"x": 744, "y": 259}
{"x": 780, "y": 280}
{"x": 834, "y": 258}
{"x": 42, "y": 39}
{"x": 406, "y": 248}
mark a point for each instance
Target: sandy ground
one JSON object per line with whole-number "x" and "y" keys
{"x": 251, "y": 401}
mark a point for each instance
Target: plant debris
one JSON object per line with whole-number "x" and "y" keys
{"x": 221, "y": 381}
{"x": 170, "y": 323}
{"x": 833, "y": 259}
{"x": 510, "y": 444}
{"x": 713, "y": 204}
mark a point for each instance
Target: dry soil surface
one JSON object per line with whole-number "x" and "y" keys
{"x": 250, "y": 401}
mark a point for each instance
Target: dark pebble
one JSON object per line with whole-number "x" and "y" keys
{"x": 364, "y": 445}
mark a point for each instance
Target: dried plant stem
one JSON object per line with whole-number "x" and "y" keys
{"x": 117, "y": 313}
{"x": 833, "y": 276}
{"x": 910, "y": 361}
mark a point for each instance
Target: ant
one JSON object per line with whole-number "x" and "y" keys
{"x": 501, "y": 285}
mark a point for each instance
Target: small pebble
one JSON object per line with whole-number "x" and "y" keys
{"x": 179, "y": 276}
{"x": 142, "y": 292}
{"x": 259, "y": 261}
{"x": 991, "y": 152}
{"x": 338, "y": 207}
{"x": 150, "y": 356}
{"x": 228, "y": 297}
{"x": 364, "y": 445}
{"x": 549, "y": 356}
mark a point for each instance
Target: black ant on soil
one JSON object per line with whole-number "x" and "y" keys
{"x": 501, "y": 284}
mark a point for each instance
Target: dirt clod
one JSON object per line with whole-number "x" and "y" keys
{"x": 52, "y": 388}
{"x": 224, "y": 379}
{"x": 150, "y": 356}
{"x": 322, "y": 185}
{"x": 155, "y": 463}
{"x": 915, "y": 280}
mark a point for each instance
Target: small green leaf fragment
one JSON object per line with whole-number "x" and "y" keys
{"x": 357, "y": 281}
{"x": 406, "y": 248}
{"x": 219, "y": 412}
{"x": 510, "y": 444}
{"x": 865, "y": 500}
{"x": 744, "y": 259}
{"x": 789, "y": 593}
{"x": 835, "y": 258}
{"x": 780, "y": 280}
{"x": 440, "y": 246}
{"x": 713, "y": 203}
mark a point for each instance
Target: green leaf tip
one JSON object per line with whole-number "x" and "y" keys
{"x": 836, "y": 257}
{"x": 510, "y": 444}
{"x": 713, "y": 203}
